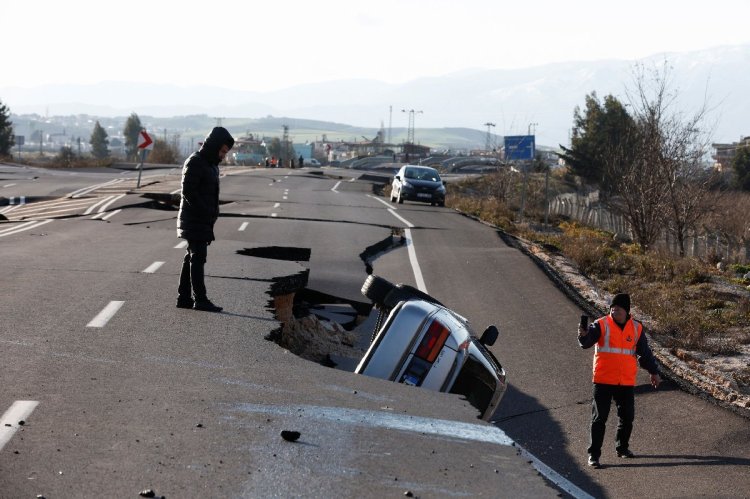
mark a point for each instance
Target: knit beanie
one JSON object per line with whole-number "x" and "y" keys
{"x": 622, "y": 300}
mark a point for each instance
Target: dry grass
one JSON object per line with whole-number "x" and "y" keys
{"x": 696, "y": 306}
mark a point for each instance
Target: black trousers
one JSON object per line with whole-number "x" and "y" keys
{"x": 624, "y": 397}
{"x": 191, "y": 278}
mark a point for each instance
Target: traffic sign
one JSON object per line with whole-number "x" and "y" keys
{"x": 144, "y": 140}
{"x": 519, "y": 147}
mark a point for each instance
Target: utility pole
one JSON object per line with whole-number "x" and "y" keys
{"x": 284, "y": 146}
{"x": 488, "y": 141}
{"x": 390, "y": 122}
{"x": 410, "y": 128}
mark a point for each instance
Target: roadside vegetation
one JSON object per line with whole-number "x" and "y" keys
{"x": 647, "y": 166}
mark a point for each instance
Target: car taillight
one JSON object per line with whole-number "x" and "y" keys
{"x": 433, "y": 342}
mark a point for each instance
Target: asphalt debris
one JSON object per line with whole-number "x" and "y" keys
{"x": 290, "y": 436}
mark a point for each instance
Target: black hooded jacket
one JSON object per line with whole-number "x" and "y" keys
{"x": 199, "y": 205}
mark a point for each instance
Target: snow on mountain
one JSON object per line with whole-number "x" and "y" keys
{"x": 516, "y": 100}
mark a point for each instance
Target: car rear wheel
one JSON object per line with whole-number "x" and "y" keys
{"x": 376, "y": 289}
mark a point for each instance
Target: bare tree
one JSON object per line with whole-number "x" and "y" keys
{"x": 729, "y": 218}
{"x": 639, "y": 197}
{"x": 663, "y": 182}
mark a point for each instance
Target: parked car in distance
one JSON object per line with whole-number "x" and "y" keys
{"x": 312, "y": 162}
{"x": 418, "y": 341}
{"x": 418, "y": 183}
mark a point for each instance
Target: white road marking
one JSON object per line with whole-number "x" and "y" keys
{"x": 110, "y": 214}
{"x": 389, "y": 420}
{"x": 243, "y": 226}
{"x": 104, "y": 207}
{"x": 277, "y": 205}
{"x": 381, "y": 201}
{"x": 19, "y": 411}
{"x": 414, "y": 262}
{"x": 21, "y": 228}
{"x": 106, "y": 314}
{"x": 85, "y": 190}
{"x": 153, "y": 267}
{"x": 17, "y": 227}
{"x": 181, "y": 245}
{"x": 393, "y": 212}
{"x": 412, "y": 253}
{"x": 178, "y": 190}
{"x": 8, "y": 208}
{"x": 284, "y": 198}
{"x": 274, "y": 214}
{"x": 91, "y": 208}
{"x": 336, "y": 186}
{"x": 9, "y": 185}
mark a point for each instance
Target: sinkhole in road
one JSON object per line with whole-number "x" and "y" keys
{"x": 331, "y": 330}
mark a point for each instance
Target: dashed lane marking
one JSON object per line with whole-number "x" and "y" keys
{"x": 153, "y": 267}
{"x": 13, "y": 417}
{"x": 181, "y": 245}
{"x": 106, "y": 314}
{"x": 243, "y": 226}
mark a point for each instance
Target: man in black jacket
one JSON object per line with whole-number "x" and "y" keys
{"x": 199, "y": 209}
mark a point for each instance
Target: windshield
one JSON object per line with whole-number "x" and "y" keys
{"x": 422, "y": 174}
{"x": 476, "y": 383}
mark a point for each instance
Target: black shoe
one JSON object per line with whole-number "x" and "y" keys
{"x": 184, "y": 303}
{"x": 206, "y": 306}
{"x": 594, "y": 462}
{"x": 625, "y": 454}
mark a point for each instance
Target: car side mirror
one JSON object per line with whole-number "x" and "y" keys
{"x": 489, "y": 336}
{"x": 397, "y": 178}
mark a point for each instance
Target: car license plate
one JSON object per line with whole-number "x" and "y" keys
{"x": 424, "y": 195}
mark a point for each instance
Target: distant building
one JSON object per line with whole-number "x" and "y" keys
{"x": 724, "y": 153}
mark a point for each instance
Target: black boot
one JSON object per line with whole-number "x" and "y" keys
{"x": 184, "y": 297}
{"x": 205, "y": 305}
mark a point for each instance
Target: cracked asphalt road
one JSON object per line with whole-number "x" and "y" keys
{"x": 191, "y": 404}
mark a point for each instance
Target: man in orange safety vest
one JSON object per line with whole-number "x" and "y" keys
{"x": 620, "y": 346}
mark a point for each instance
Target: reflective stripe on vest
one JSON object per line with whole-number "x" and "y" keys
{"x": 626, "y": 351}
{"x": 615, "y": 360}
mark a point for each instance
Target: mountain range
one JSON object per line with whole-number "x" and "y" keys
{"x": 538, "y": 99}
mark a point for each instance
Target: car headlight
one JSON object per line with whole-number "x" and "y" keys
{"x": 407, "y": 185}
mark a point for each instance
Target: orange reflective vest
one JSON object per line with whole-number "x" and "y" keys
{"x": 615, "y": 361}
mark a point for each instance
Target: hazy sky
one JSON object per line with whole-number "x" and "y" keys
{"x": 268, "y": 45}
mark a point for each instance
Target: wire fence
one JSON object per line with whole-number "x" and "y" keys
{"x": 706, "y": 245}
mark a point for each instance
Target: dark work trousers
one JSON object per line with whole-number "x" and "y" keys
{"x": 191, "y": 276}
{"x": 624, "y": 397}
